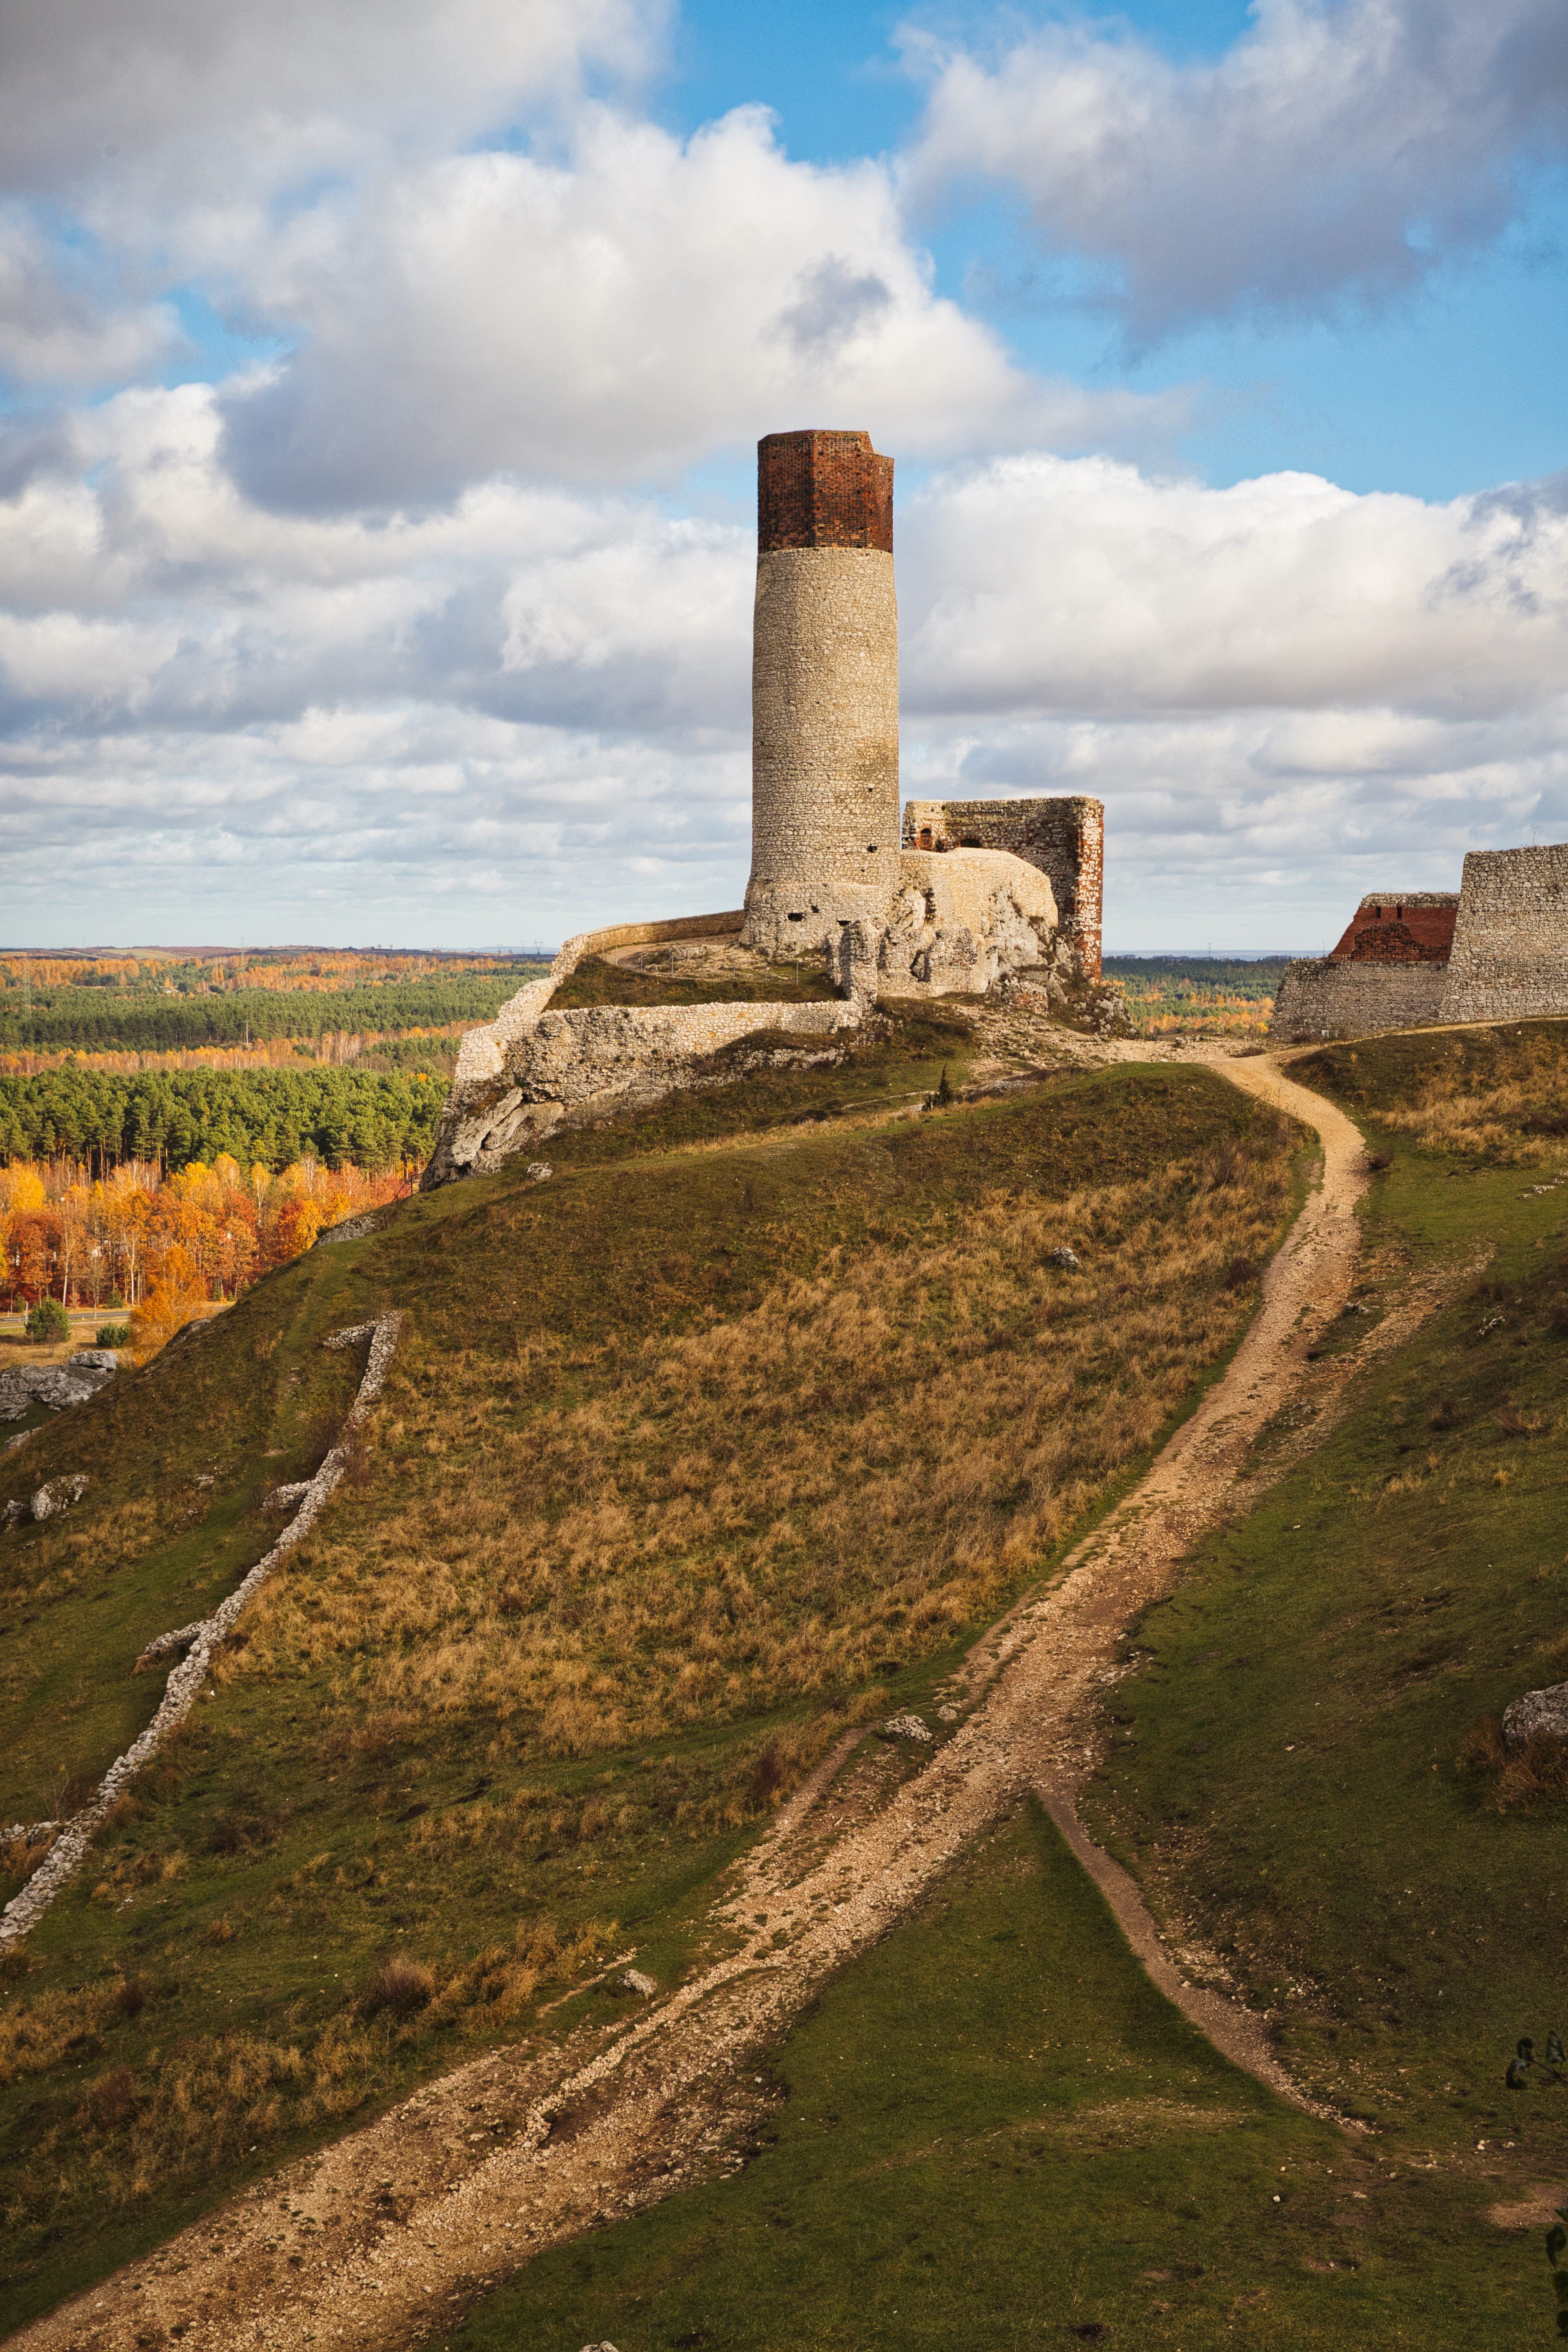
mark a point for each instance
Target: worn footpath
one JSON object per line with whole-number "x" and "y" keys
{"x": 384, "y": 2237}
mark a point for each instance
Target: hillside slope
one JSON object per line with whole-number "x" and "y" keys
{"x": 713, "y": 1446}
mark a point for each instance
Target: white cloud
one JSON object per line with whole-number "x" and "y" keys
{"x": 1038, "y": 583}
{"x": 180, "y": 97}
{"x": 1333, "y": 150}
{"x": 620, "y": 314}
{"x": 527, "y": 709}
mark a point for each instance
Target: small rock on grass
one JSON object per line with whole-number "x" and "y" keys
{"x": 634, "y": 1981}
{"x": 1537, "y": 1710}
{"x": 908, "y": 1727}
{"x": 1066, "y": 1257}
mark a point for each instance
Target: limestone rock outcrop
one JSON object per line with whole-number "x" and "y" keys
{"x": 55, "y": 1386}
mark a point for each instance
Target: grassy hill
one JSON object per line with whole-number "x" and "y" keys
{"x": 992, "y": 2131}
{"x": 731, "y": 1435}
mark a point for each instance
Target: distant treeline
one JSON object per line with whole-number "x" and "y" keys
{"x": 1157, "y": 975}
{"x": 374, "y": 1118}
{"x": 100, "y": 1018}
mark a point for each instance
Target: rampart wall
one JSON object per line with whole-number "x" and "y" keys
{"x": 1064, "y": 838}
{"x": 575, "y": 1067}
{"x": 1509, "y": 956}
{"x": 482, "y": 1051}
{"x": 1329, "y": 996}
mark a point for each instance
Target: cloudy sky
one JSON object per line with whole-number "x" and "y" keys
{"x": 382, "y": 380}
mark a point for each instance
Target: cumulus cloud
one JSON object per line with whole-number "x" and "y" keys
{"x": 1335, "y": 150}
{"x": 1043, "y": 584}
{"x": 180, "y": 97}
{"x": 618, "y": 314}
{"x": 527, "y": 708}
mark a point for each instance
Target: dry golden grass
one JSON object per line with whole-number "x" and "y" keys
{"x": 697, "y": 1527}
{"x": 1499, "y": 1095}
{"x": 1518, "y": 1124}
{"x": 198, "y": 2102}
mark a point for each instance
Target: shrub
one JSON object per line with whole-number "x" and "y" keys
{"x": 47, "y": 1321}
{"x": 113, "y": 1335}
{"x": 402, "y": 1986}
{"x": 1243, "y": 1273}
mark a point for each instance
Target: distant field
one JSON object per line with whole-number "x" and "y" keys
{"x": 1227, "y": 994}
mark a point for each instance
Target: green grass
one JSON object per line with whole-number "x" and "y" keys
{"x": 286, "y": 1845}
{"x": 1290, "y": 1771}
{"x": 598, "y": 981}
{"x": 994, "y": 2131}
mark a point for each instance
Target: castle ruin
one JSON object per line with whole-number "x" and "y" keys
{"x": 960, "y": 896}
{"x": 1496, "y": 949}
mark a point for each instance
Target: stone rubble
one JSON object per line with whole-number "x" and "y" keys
{"x": 198, "y": 1641}
{"x": 55, "y": 1494}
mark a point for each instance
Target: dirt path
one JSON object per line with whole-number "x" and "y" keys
{"x": 383, "y": 2239}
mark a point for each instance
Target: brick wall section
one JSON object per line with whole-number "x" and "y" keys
{"x": 1331, "y": 996}
{"x": 823, "y": 489}
{"x": 1064, "y": 838}
{"x": 1509, "y": 957}
{"x": 1412, "y": 927}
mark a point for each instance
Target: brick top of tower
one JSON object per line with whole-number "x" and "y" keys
{"x": 823, "y": 489}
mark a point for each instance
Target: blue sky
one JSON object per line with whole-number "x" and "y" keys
{"x": 378, "y": 385}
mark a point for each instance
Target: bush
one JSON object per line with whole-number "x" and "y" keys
{"x": 47, "y": 1322}
{"x": 113, "y": 1335}
{"x": 402, "y": 1986}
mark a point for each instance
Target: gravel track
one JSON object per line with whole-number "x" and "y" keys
{"x": 383, "y": 2238}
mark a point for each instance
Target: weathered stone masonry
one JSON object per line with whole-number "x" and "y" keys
{"x": 1511, "y": 941}
{"x": 1064, "y": 838}
{"x": 1008, "y": 889}
{"x": 1497, "y": 950}
{"x": 825, "y": 692}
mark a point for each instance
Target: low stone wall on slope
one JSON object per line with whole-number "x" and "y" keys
{"x": 1509, "y": 957}
{"x": 483, "y": 1053}
{"x": 574, "y": 1068}
{"x": 1323, "y": 996}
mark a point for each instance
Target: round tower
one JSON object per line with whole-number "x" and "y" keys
{"x": 825, "y": 692}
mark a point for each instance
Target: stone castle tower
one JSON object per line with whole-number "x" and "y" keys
{"x": 824, "y": 693}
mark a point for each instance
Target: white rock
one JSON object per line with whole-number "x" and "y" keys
{"x": 636, "y": 1981}
{"x": 908, "y": 1726}
{"x": 1537, "y": 1710}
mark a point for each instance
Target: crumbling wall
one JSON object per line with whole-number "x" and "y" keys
{"x": 481, "y": 1052}
{"x": 574, "y": 1069}
{"x": 1395, "y": 926}
{"x": 1064, "y": 839}
{"x": 1327, "y": 996}
{"x": 961, "y": 921}
{"x": 1509, "y": 956}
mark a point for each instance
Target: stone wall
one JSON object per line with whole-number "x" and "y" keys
{"x": 1064, "y": 838}
{"x": 481, "y": 1052}
{"x": 964, "y": 920}
{"x": 1509, "y": 956}
{"x": 574, "y": 1068}
{"x": 1329, "y": 996}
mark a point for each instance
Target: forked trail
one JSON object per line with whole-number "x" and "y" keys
{"x": 383, "y": 2238}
